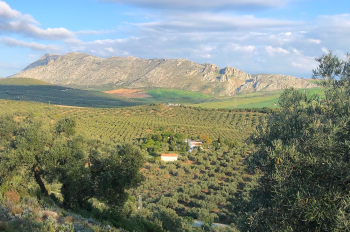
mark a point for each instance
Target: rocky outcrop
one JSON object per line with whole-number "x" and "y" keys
{"x": 81, "y": 69}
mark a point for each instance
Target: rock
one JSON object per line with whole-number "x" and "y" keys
{"x": 82, "y": 69}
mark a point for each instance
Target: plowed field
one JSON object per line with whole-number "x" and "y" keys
{"x": 129, "y": 93}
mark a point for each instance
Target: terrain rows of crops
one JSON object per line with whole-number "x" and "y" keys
{"x": 201, "y": 185}
{"x": 129, "y": 124}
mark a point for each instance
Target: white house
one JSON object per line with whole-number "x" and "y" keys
{"x": 193, "y": 144}
{"x": 169, "y": 157}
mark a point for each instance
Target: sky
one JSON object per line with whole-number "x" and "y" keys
{"x": 256, "y": 36}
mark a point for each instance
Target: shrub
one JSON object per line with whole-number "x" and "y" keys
{"x": 3, "y": 226}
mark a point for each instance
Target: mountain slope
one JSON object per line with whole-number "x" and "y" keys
{"x": 26, "y": 89}
{"x": 22, "y": 81}
{"x": 86, "y": 70}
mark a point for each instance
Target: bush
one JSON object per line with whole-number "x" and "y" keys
{"x": 3, "y": 226}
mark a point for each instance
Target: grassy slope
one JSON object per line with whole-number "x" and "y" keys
{"x": 33, "y": 90}
{"x": 175, "y": 96}
{"x": 250, "y": 100}
{"x": 22, "y": 81}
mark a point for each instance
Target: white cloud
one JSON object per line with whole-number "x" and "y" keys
{"x": 246, "y": 49}
{"x": 276, "y": 50}
{"x": 12, "y": 21}
{"x": 94, "y": 32}
{"x": 325, "y": 50}
{"x": 296, "y": 51}
{"x": 200, "y": 31}
{"x": 202, "y": 4}
{"x": 340, "y": 21}
{"x": 109, "y": 49}
{"x": 34, "y": 46}
{"x": 315, "y": 41}
{"x": 6, "y": 11}
{"x": 214, "y": 22}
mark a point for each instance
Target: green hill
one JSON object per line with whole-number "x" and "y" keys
{"x": 22, "y": 81}
{"x": 250, "y": 100}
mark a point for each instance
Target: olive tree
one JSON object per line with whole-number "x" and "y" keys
{"x": 303, "y": 154}
{"x": 86, "y": 169}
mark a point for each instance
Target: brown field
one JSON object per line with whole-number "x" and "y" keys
{"x": 129, "y": 93}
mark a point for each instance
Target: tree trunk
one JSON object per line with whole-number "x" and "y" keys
{"x": 39, "y": 180}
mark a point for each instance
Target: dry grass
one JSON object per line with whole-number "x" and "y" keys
{"x": 12, "y": 196}
{"x": 68, "y": 219}
{"x": 16, "y": 210}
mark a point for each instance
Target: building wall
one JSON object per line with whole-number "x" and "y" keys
{"x": 169, "y": 159}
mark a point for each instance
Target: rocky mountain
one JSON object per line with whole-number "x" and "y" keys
{"x": 85, "y": 70}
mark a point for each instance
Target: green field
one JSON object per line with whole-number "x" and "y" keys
{"x": 174, "y": 96}
{"x": 22, "y": 81}
{"x": 250, "y": 100}
{"x": 34, "y": 90}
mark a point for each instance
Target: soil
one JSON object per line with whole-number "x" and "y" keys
{"x": 129, "y": 93}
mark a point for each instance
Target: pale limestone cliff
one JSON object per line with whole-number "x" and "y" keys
{"x": 86, "y": 70}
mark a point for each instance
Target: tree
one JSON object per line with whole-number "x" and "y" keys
{"x": 205, "y": 139}
{"x": 105, "y": 176}
{"x": 84, "y": 168}
{"x": 303, "y": 155}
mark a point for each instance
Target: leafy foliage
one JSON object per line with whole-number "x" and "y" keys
{"x": 303, "y": 156}
{"x": 85, "y": 169}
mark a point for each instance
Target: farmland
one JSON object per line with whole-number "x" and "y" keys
{"x": 160, "y": 95}
{"x": 130, "y": 124}
{"x": 34, "y": 90}
{"x": 200, "y": 185}
{"x": 250, "y": 100}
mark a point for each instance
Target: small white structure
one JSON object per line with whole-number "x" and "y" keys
{"x": 169, "y": 157}
{"x": 193, "y": 144}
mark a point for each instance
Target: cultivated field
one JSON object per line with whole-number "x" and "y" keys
{"x": 133, "y": 123}
{"x": 249, "y": 100}
{"x": 129, "y": 93}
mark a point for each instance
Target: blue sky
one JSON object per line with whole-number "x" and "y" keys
{"x": 269, "y": 36}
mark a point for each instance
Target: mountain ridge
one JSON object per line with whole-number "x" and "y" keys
{"x": 82, "y": 69}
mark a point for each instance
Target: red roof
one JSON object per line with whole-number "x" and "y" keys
{"x": 196, "y": 143}
{"x": 169, "y": 155}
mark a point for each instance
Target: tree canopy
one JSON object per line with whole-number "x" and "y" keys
{"x": 85, "y": 169}
{"x": 303, "y": 156}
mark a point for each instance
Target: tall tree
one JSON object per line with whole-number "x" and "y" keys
{"x": 303, "y": 154}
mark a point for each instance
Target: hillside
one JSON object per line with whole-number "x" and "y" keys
{"x": 22, "y": 81}
{"x": 26, "y": 89}
{"x": 200, "y": 185}
{"x": 79, "y": 69}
